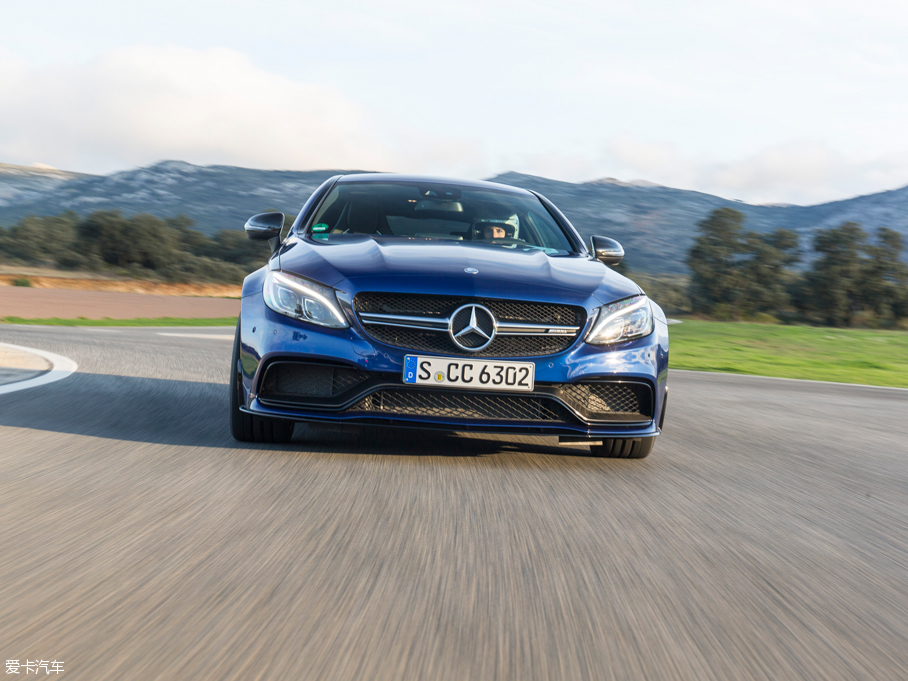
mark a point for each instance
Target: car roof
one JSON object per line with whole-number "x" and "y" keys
{"x": 428, "y": 179}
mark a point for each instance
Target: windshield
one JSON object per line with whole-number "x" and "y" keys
{"x": 433, "y": 212}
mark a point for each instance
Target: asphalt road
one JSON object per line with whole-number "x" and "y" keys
{"x": 765, "y": 538}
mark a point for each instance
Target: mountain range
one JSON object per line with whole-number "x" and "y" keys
{"x": 655, "y": 224}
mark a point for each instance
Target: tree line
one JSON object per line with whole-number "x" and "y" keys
{"x": 141, "y": 246}
{"x": 847, "y": 277}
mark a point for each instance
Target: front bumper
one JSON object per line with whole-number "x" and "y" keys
{"x": 268, "y": 338}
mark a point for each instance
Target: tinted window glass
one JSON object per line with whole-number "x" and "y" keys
{"x": 438, "y": 212}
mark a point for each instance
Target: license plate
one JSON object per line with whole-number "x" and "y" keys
{"x": 473, "y": 374}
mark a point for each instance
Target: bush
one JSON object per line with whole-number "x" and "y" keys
{"x": 22, "y": 281}
{"x": 139, "y": 246}
{"x": 73, "y": 260}
{"x": 668, "y": 291}
{"x": 192, "y": 268}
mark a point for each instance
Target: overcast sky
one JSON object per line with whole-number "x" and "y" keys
{"x": 796, "y": 101}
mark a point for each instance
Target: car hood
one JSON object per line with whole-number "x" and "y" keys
{"x": 367, "y": 263}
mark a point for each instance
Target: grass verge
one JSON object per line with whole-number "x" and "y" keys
{"x": 814, "y": 353}
{"x": 158, "y": 321}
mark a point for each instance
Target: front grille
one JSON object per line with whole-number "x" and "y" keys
{"x": 440, "y": 342}
{"x": 417, "y": 305}
{"x": 461, "y": 405}
{"x": 441, "y": 307}
{"x": 285, "y": 381}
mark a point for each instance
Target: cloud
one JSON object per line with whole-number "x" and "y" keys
{"x": 557, "y": 165}
{"x": 649, "y": 158}
{"x": 802, "y": 172}
{"x": 442, "y": 155}
{"x": 142, "y": 104}
{"x": 803, "y": 167}
{"x": 139, "y": 105}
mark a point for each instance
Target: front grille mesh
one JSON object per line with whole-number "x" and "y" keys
{"x": 459, "y": 405}
{"x": 536, "y": 313}
{"x": 407, "y": 304}
{"x": 442, "y": 306}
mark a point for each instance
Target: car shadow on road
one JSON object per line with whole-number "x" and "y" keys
{"x": 193, "y": 413}
{"x": 386, "y": 440}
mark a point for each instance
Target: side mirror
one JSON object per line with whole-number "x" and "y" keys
{"x": 266, "y": 227}
{"x": 606, "y": 250}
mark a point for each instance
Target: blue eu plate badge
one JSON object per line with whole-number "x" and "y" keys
{"x": 410, "y": 369}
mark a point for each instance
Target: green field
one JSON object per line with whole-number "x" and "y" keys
{"x": 159, "y": 321}
{"x": 815, "y": 353}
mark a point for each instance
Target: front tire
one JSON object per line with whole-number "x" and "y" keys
{"x": 626, "y": 448}
{"x": 246, "y": 427}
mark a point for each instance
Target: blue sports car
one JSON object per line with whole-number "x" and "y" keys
{"x": 457, "y": 305}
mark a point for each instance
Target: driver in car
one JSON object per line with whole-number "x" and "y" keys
{"x": 493, "y": 231}
{"x": 505, "y": 228}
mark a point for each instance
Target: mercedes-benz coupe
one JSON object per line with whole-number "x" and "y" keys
{"x": 457, "y": 305}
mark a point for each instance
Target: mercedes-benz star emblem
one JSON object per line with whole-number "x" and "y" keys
{"x": 471, "y": 270}
{"x": 472, "y": 327}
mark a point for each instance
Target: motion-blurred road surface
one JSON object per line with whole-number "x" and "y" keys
{"x": 765, "y": 538}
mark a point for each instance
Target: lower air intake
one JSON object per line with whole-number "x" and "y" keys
{"x": 457, "y": 405}
{"x": 610, "y": 400}
{"x": 294, "y": 380}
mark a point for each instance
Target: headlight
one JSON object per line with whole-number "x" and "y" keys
{"x": 303, "y": 299}
{"x": 622, "y": 321}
